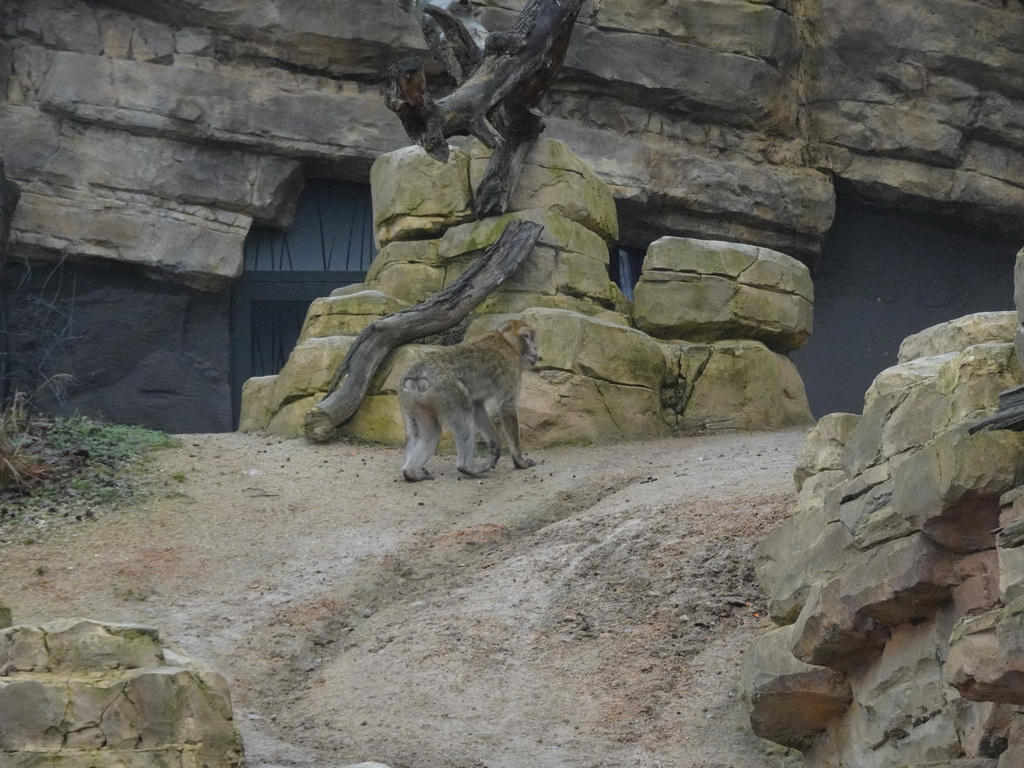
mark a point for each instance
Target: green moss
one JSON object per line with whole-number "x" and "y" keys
{"x": 54, "y": 463}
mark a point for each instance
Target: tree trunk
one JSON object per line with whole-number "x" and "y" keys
{"x": 439, "y": 313}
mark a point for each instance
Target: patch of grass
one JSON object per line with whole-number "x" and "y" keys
{"x": 53, "y": 465}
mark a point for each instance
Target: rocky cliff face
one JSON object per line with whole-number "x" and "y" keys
{"x": 157, "y": 132}
{"x": 896, "y": 582}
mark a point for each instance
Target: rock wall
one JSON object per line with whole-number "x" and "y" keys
{"x": 156, "y": 133}
{"x": 896, "y": 603}
{"x": 75, "y": 692}
{"x": 143, "y": 350}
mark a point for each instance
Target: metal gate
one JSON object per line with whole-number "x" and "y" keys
{"x": 329, "y": 245}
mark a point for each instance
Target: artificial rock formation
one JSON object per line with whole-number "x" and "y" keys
{"x": 693, "y": 289}
{"x": 75, "y": 692}
{"x": 897, "y": 603}
{"x": 157, "y": 133}
{"x": 600, "y": 379}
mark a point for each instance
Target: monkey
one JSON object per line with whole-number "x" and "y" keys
{"x": 452, "y": 387}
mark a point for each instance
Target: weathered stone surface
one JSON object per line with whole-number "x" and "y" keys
{"x": 310, "y": 368}
{"x": 595, "y": 382}
{"x": 674, "y": 186}
{"x": 869, "y": 515}
{"x": 555, "y": 179}
{"x": 807, "y": 548}
{"x": 926, "y": 146}
{"x": 409, "y": 271}
{"x": 789, "y": 701}
{"x": 514, "y": 302}
{"x": 922, "y": 120}
{"x": 101, "y": 695}
{"x": 1018, "y": 301}
{"x": 829, "y": 634}
{"x": 657, "y": 63}
{"x": 706, "y": 291}
{"x": 348, "y": 314}
{"x": 921, "y": 499}
{"x": 288, "y": 115}
{"x": 257, "y": 406}
{"x": 1011, "y": 553}
{"x": 662, "y": 174}
{"x": 950, "y": 488}
{"x": 569, "y": 260}
{"x": 978, "y": 590}
{"x": 342, "y": 36}
{"x": 864, "y": 447}
{"x": 79, "y": 645}
{"x": 970, "y": 383}
{"x": 845, "y": 622}
{"x": 417, "y": 197}
{"x": 194, "y": 242}
{"x": 959, "y": 334}
{"x": 986, "y": 656}
{"x": 735, "y": 385}
{"x": 900, "y": 581}
{"x": 754, "y": 30}
{"x": 556, "y": 406}
{"x": 32, "y": 715}
{"x": 5, "y": 615}
{"x": 823, "y": 449}
{"x": 904, "y": 376}
{"x": 90, "y": 646}
{"x": 891, "y": 696}
{"x": 1011, "y": 757}
{"x": 908, "y": 404}
{"x": 92, "y": 157}
{"x": 584, "y": 345}
{"x": 23, "y": 649}
{"x": 287, "y": 420}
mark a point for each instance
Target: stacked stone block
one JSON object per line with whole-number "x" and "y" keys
{"x": 708, "y": 291}
{"x": 80, "y": 694}
{"x": 599, "y": 378}
{"x": 896, "y": 605}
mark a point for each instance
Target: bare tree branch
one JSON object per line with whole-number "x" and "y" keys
{"x": 497, "y": 103}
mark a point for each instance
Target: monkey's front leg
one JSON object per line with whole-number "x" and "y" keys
{"x": 510, "y": 424}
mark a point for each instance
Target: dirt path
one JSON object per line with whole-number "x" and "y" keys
{"x": 589, "y": 612}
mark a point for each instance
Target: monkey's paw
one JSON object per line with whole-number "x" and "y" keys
{"x": 415, "y": 475}
{"x": 525, "y": 463}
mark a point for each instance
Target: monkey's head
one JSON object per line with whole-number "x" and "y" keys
{"x": 521, "y": 337}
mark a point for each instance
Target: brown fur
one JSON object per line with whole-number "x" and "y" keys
{"x": 452, "y": 386}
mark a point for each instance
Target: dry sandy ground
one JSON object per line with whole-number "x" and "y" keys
{"x": 590, "y": 612}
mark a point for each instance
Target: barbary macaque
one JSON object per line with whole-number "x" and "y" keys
{"x": 453, "y": 386}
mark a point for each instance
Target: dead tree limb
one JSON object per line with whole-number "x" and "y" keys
{"x": 439, "y": 313}
{"x": 497, "y": 102}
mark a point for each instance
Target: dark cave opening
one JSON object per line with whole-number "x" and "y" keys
{"x": 883, "y": 275}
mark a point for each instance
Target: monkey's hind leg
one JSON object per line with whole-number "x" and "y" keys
{"x": 464, "y": 424}
{"x": 485, "y": 426}
{"x": 423, "y": 432}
